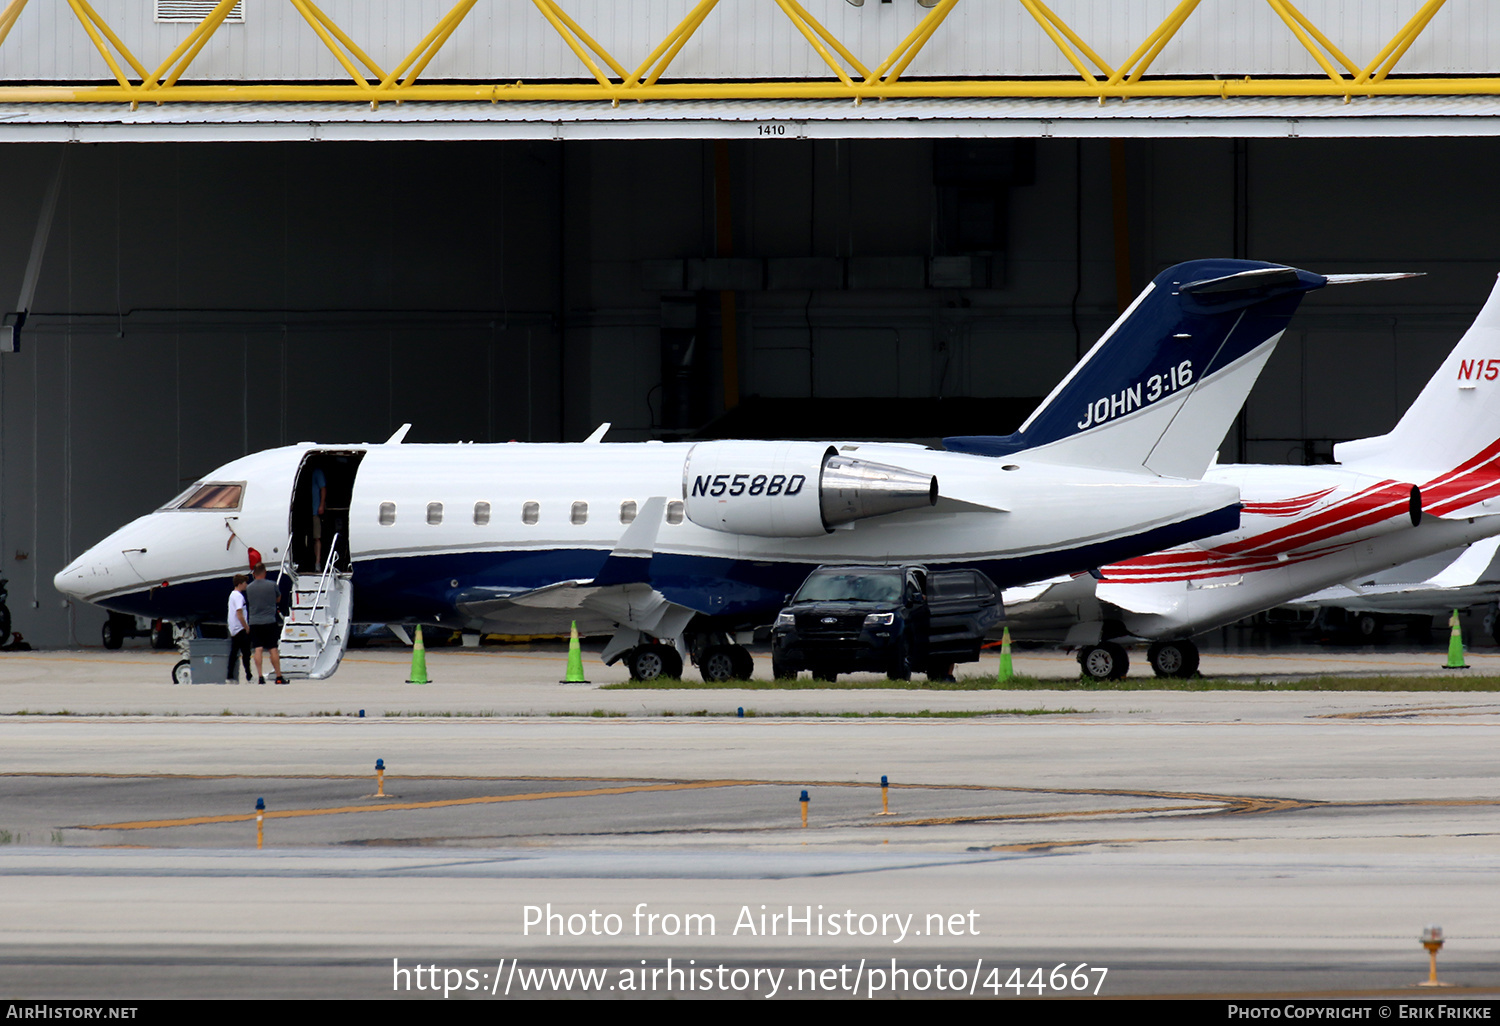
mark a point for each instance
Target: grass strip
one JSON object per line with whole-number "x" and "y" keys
{"x": 1458, "y": 682}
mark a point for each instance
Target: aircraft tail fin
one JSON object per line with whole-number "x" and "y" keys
{"x": 1454, "y": 423}
{"x": 1160, "y": 389}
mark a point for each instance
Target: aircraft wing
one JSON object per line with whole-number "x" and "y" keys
{"x": 1468, "y": 580}
{"x": 1476, "y": 565}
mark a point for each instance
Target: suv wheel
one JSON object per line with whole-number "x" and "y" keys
{"x": 900, "y": 667}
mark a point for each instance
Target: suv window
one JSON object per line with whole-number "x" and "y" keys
{"x": 852, "y": 585}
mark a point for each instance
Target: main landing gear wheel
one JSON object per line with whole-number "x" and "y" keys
{"x": 182, "y": 673}
{"x": 110, "y": 634}
{"x": 1368, "y": 626}
{"x": 161, "y": 635}
{"x": 744, "y": 663}
{"x": 1105, "y": 661}
{"x": 649, "y": 662}
{"x": 723, "y": 663}
{"x": 1173, "y": 658}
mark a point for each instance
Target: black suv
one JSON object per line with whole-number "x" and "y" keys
{"x": 886, "y": 619}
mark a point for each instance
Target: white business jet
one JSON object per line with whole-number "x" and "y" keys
{"x": 677, "y": 548}
{"x": 1431, "y": 484}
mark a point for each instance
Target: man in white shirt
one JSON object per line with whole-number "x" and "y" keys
{"x": 239, "y": 631}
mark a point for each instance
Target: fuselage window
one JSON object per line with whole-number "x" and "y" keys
{"x": 481, "y": 514}
{"x": 387, "y": 514}
{"x": 674, "y": 511}
{"x": 531, "y": 512}
{"x": 434, "y": 513}
{"x": 580, "y": 513}
{"x": 213, "y": 496}
{"x": 627, "y": 511}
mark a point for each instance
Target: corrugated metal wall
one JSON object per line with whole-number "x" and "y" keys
{"x": 505, "y": 40}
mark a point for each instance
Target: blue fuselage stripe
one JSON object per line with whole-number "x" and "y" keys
{"x": 422, "y": 588}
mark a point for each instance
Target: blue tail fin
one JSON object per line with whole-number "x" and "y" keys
{"x": 1159, "y": 390}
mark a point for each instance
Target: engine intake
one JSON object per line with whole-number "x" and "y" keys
{"x": 793, "y": 489}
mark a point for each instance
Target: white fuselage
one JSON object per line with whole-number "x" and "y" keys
{"x": 412, "y": 563}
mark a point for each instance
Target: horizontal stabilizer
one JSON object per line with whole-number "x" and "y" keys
{"x": 1242, "y": 281}
{"x": 1355, "y": 279}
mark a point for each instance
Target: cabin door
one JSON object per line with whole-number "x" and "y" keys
{"x": 319, "y": 517}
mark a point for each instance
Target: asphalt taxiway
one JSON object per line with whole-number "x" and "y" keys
{"x": 1189, "y": 842}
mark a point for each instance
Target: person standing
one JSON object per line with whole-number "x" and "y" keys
{"x": 319, "y": 508}
{"x": 261, "y": 598}
{"x": 239, "y": 631}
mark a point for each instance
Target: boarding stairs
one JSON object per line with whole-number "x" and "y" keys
{"x": 316, "y": 631}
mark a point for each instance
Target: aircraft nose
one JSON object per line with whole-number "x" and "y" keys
{"x": 101, "y": 569}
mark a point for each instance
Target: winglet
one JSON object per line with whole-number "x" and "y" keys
{"x": 630, "y": 561}
{"x": 598, "y": 435}
{"x": 399, "y": 436}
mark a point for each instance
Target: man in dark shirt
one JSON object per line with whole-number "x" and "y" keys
{"x": 262, "y": 596}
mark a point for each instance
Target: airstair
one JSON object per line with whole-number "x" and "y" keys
{"x": 316, "y": 631}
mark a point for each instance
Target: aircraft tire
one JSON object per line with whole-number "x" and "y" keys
{"x": 182, "y": 672}
{"x": 161, "y": 635}
{"x": 1368, "y": 626}
{"x": 650, "y": 662}
{"x": 110, "y": 634}
{"x": 1106, "y": 661}
{"x": 1173, "y": 658}
{"x": 718, "y": 665}
{"x": 744, "y": 662}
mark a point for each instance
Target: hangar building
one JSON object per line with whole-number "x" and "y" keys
{"x": 235, "y": 225}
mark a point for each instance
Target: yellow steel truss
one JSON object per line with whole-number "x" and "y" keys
{"x": 851, "y": 79}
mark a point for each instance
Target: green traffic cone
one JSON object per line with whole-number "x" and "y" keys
{"x": 1455, "y": 645}
{"x": 418, "y": 660}
{"x": 575, "y": 659}
{"x": 1007, "y": 671}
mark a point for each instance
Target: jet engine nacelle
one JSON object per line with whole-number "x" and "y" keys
{"x": 793, "y": 489}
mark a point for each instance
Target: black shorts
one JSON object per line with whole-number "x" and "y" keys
{"x": 265, "y": 635}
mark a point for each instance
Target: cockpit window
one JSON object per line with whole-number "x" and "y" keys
{"x": 214, "y": 496}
